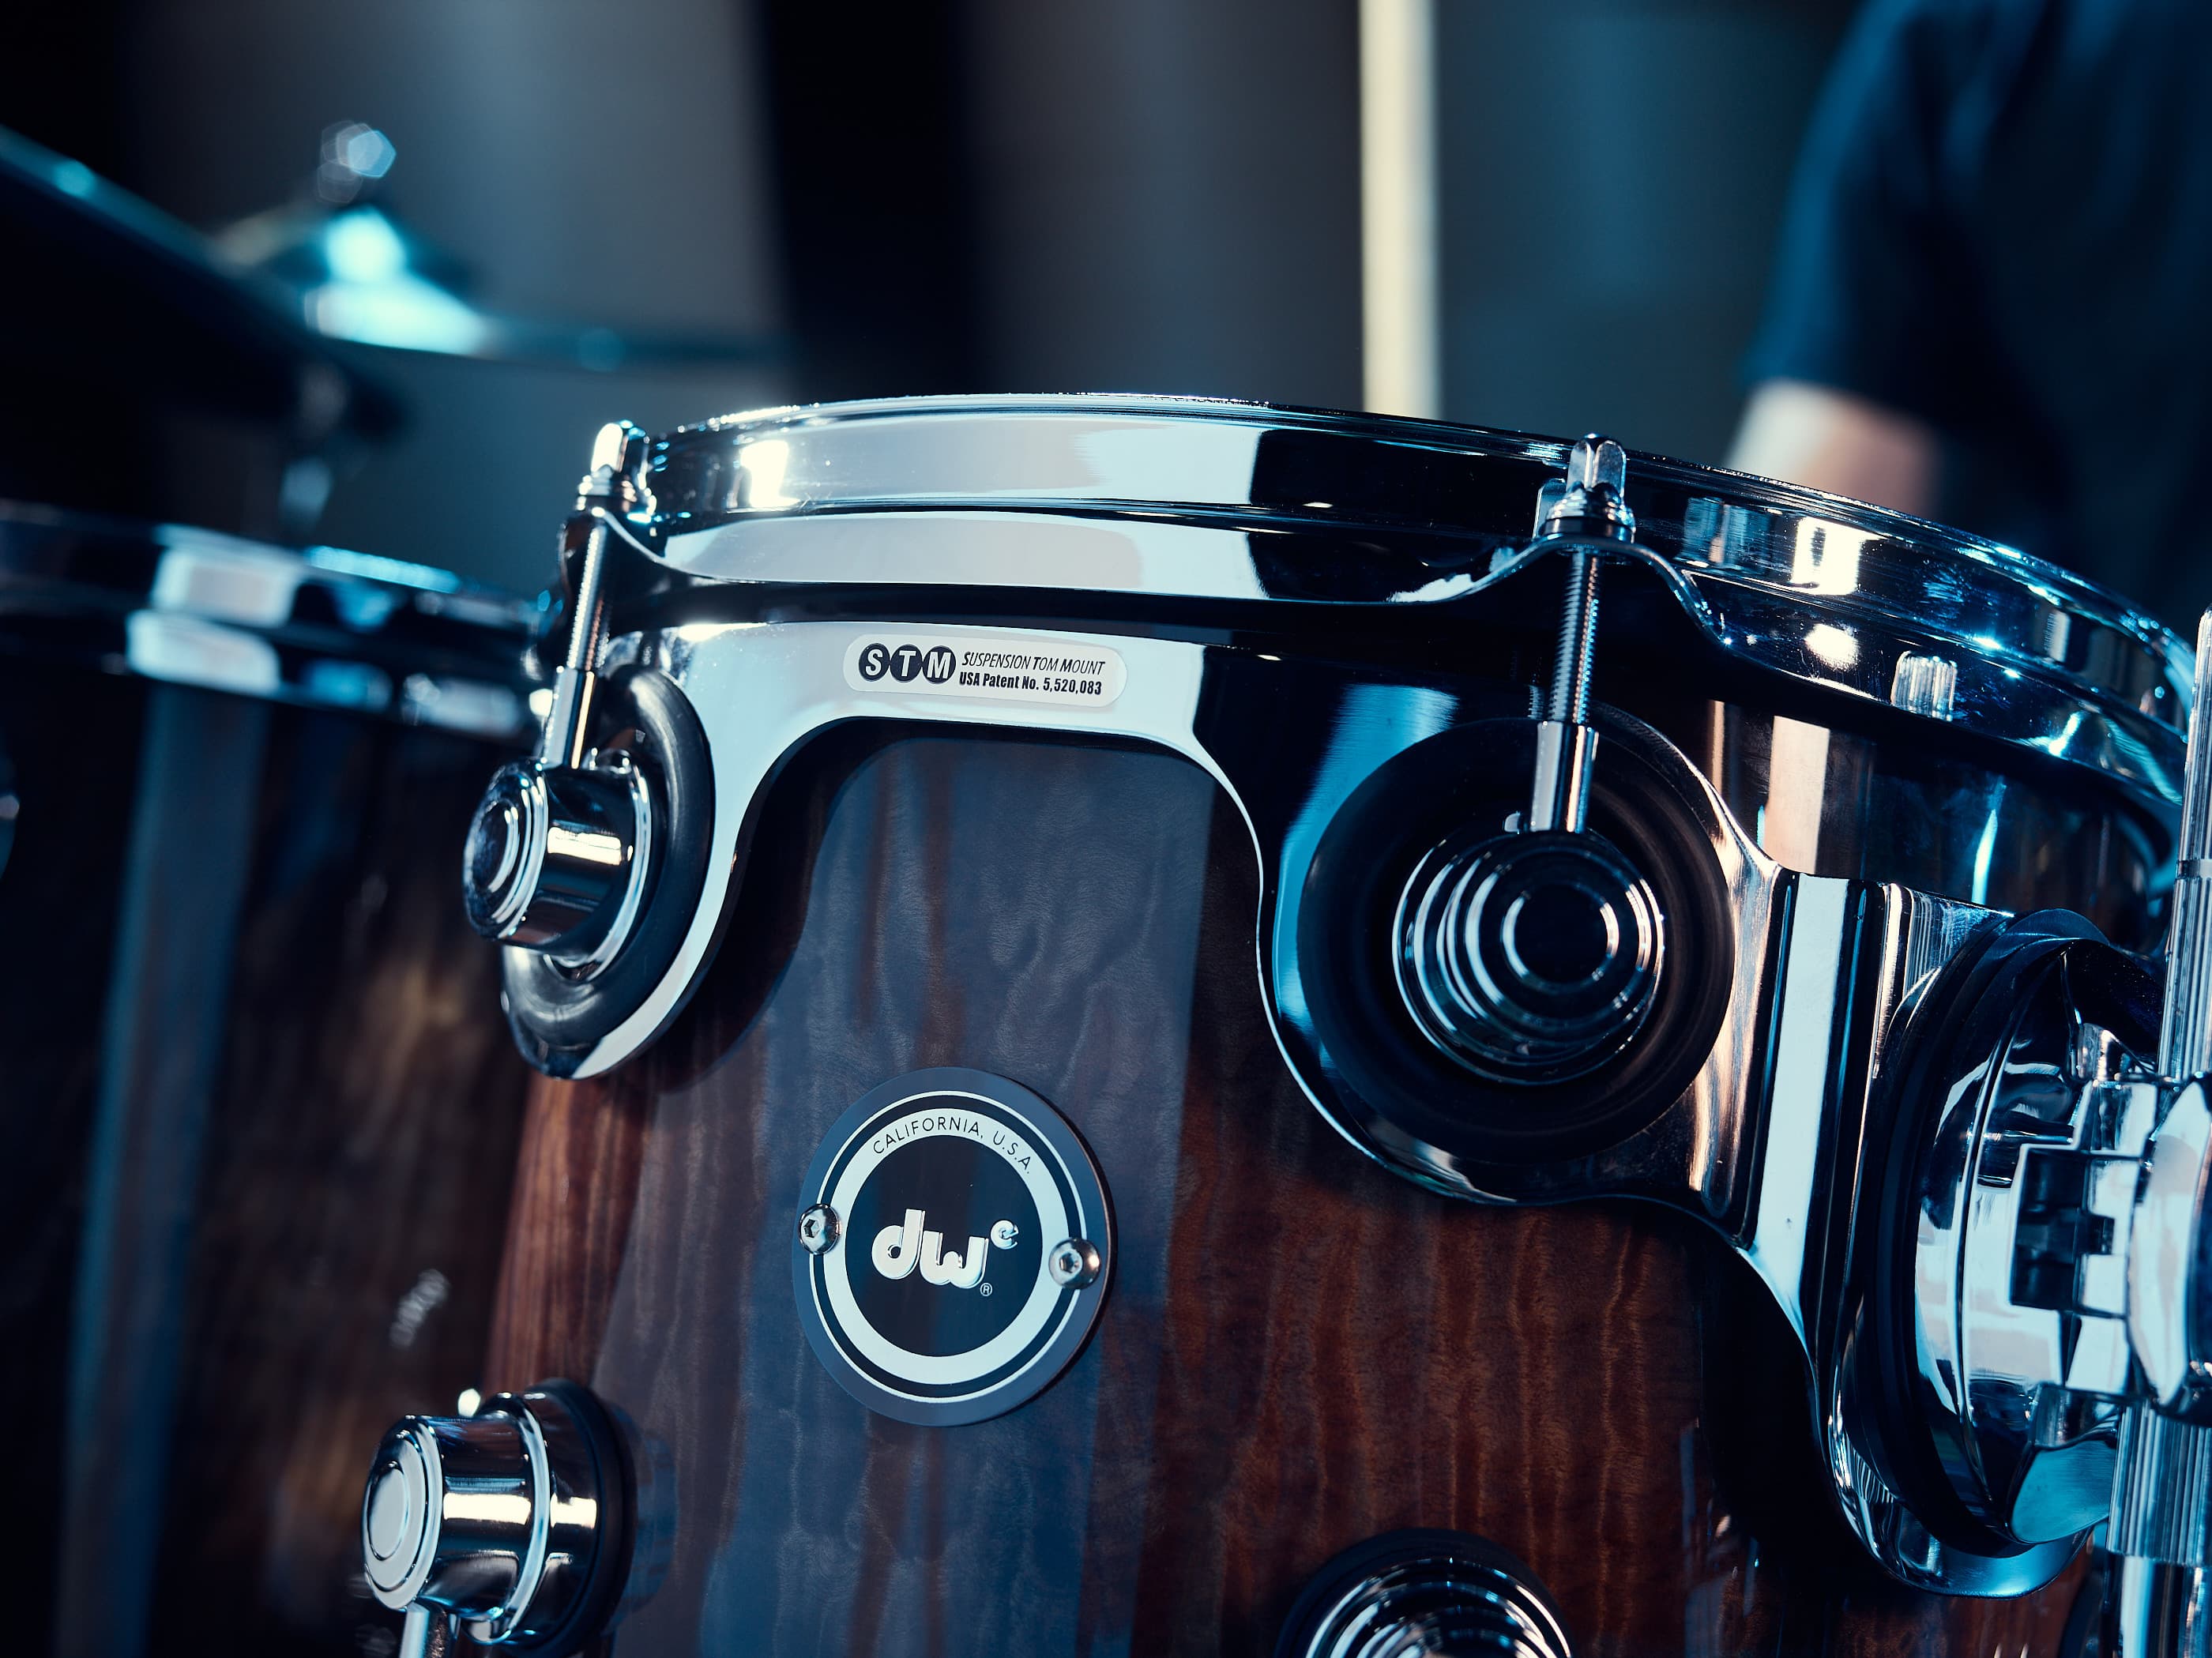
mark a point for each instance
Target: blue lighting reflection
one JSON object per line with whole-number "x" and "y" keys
{"x": 1373, "y": 724}
{"x": 420, "y": 576}
{"x": 1984, "y": 850}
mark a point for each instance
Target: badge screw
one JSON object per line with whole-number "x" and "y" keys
{"x": 818, "y": 1228}
{"x": 1074, "y": 1263}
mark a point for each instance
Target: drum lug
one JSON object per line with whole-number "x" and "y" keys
{"x": 559, "y": 857}
{"x": 2055, "y": 1224}
{"x": 1470, "y": 921}
{"x": 561, "y": 853}
{"x": 532, "y": 1557}
{"x": 1531, "y": 957}
{"x": 1425, "y": 1591}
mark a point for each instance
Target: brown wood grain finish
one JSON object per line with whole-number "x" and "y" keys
{"x": 346, "y": 1243}
{"x": 1299, "y": 1350}
{"x": 575, "y": 1184}
{"x": 576, "y": 1179}
{"x": 1342, "y": 1344}
{"x": 57, "y": 910}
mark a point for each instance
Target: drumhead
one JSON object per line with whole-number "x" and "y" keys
{"x": 320, "y": 626}
{"x": 1173, "y": 498}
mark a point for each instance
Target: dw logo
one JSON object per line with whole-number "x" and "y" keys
{"x": 899, "y": 1249}
{"x": 904, "y": 662}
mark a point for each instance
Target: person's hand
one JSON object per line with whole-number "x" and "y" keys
{"x": 1829, "y": 440}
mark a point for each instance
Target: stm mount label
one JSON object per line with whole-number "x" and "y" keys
{"x": 1069, "y": 672}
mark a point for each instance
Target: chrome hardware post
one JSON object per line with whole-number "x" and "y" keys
{"x": 505, "y": 1522}
{"x": 427, "y": 1632}
{"x": 617, "y": 454}
{"x": 2153, "y": 1610}
{"x": 1533, "y": 957}
{"x": 1589, "y": 505}
{"x": 2186, "y": 1034}
{"x": 2162, "y": 1480}
{"x": 1566, "y": 745}
{"x": 560, "y": 851}
{"x": 2164, "y": 1472}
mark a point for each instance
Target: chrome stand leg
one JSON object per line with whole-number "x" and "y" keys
{"x": 2155, "y": 1611}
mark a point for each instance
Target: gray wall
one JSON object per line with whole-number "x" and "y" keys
{"x": 1169, "y": 196}
{"x": 1612, "y": 175}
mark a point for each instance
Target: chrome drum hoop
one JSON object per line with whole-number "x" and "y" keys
{"x": 1126, "y": 499}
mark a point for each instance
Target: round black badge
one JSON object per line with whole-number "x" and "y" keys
{"x": 952, "y": 1247}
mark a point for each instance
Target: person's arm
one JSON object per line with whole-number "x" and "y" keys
{"x": 1868, "y": 347}
{"x": 1830, "y": 440}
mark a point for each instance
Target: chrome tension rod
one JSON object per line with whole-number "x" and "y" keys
{"x": 558, "y": 855}
{"x": 615, "y": 454}
{"x": 1582, "y": 513}
{"x": 2161, "y": 1532}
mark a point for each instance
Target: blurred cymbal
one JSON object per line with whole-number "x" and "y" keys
{"x": 103, "y": 286}
{"x": 355, "y": 271}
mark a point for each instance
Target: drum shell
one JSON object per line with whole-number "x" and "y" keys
{"x": 232, "y": 940}
{"x": 1827, "y": 793}
{"x": 1298, "y": 1350}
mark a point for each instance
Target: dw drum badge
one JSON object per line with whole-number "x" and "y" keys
{"x": 952, "y": 1250}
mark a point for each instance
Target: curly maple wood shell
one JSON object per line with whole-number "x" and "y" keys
{"x": 1299, "y": 1350}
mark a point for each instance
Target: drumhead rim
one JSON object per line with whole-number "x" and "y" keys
{"x": 1100, "y": 494}
{"x": 1499, "y": 442}
{"x": 315, "y": 626}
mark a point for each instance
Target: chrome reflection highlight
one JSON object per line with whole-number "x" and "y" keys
{"x": 1419, "y": 1594}
{"x": 1530, "y": 958}
{"x": 558, "y": 859}
{"x": 2059, "y": 1375}
{"x": 561, "y": 852}
{"x": 2161, "y": 1512}
{"x": 503, "y": 1522}
{"x": 1185, "y": 497}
